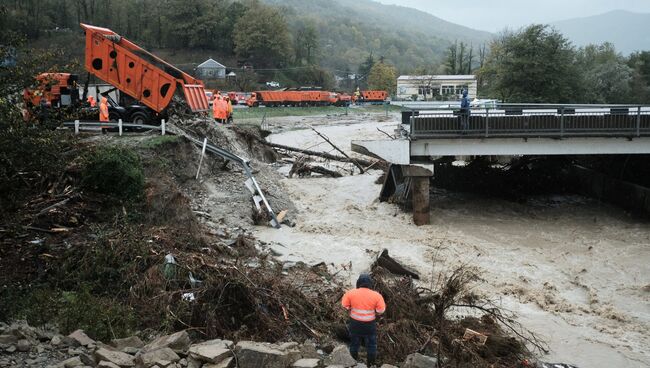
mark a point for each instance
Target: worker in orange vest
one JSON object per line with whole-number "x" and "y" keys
{"x": 228, "y": 110}
{"x": 91, "y": 101}
{"x": 218, "y": 109}
{"x": 364, "y": 305}
{"x": 103, "y": 109}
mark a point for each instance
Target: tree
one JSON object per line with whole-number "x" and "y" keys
{"x": 306, "y": 44}
{"x": 383, "y": 77}
{"x": 606, "y": 75}
{"x": 262, "y": 36}
{"x": 640, "y": 84}
{"x": 535, "y": 64}
{"x": 452, "y": 59}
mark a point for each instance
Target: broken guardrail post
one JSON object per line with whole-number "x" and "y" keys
{"x": 119, "y": 126}
{"x": 162, "y": 127}
{"x": 76, "y": 127}
{"x": 205, "y": 145}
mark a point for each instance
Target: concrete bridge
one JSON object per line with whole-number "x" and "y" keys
{"x": 428, "y": 133}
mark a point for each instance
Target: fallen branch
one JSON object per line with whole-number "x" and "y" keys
{"x": 324, "y": 155}
{"x": 389, "y": 135}
{"x": 300, "y": 167}
{"x": 340, "y": 150}
{"x": 56, "y": 205}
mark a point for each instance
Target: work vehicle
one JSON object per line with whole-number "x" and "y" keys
{"x": 373, "y": 97}
{"x": 58, "y": 90}
{"x": 298, "y": 97}
{"x": 149, "y": 81}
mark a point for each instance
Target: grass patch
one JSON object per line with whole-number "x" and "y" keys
{"x": 114, "y": 171}
{"x": 160, "y": 141}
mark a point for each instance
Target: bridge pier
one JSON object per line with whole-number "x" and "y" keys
{"x": 410, "y": 184}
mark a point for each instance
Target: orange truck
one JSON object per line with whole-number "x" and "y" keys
{"x": 137, "y": 73}
{"x": 293, "y": 97}
{"x": 58, "y": 90}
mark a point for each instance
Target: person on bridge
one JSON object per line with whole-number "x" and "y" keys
{"x": 103, "y": 110}
{"x": 364, "y": 304}
{"x": 464, "y": 111}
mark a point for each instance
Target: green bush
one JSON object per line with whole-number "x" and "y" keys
{"x": 115, "y": 171}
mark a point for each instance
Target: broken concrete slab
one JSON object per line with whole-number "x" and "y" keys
{"x": 226, "y": 363}
{"x": 105, "y": 364}
{"x": 341, "y": 356}
{"x": 129, "y": 342}
{"x": 161, "y": 357}
{"x": 211, "y": 353}
{"x": 116, "y": 357}
{"x": 418, "y": 360}
{"x": 72, "y": 362}
{"x": 252, "y": 354}
{"x": 81, "y": 337}
{"x": 306, "y": 363}
{"x": 179, "y": 342}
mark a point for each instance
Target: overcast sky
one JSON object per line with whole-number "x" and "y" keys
{"x": 495, "y": 15}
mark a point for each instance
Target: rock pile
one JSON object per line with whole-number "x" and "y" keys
{"x": 24, "y": 346}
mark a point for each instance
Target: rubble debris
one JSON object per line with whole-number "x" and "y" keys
{"x": 341, "y": 356}
{"x": 418, "y": 360}
{"x": 118, "y": 358}
{"x": 81, "y": 337}
{"x": 306, "y": 363}
{"x": 156, "y": 357}
{"x": 471, "y": 335}
{"x": 252, "y": 354}
{"x": 128, "y": 342}
{"x": 390, "y": 264}
{"x": 213, "y": 351}
{"x": 179, "y": 342}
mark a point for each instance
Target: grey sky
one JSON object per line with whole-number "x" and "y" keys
{"x": 495, "y": 15}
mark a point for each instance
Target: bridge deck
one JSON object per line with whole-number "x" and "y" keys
{"x": 531, "y": 123}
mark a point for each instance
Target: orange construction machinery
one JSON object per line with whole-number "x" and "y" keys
{"x": 58, "y": 90}
{"x": 138, "y": 73}
{"x": 297, "y": 97}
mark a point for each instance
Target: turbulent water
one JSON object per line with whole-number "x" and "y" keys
{"x": 574, "y": 270}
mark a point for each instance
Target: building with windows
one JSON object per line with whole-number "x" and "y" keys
{"x": 435, "y": 87}
{"x": 211, "y": 69}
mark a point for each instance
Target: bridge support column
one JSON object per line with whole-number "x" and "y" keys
{"x": 420, "y": 179}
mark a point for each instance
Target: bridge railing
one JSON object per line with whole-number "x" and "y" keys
{"x": 527, "y": 121}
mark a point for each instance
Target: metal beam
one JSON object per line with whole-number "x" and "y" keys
{"x": 530, "y": 146}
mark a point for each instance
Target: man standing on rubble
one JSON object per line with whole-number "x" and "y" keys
{"x": 364, "y": 305}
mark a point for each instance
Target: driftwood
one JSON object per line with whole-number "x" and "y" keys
{"x": 338, "y": 149}
{"x": 301, "y": 168}
{"x": 324, "y": 155}
{"x": 393, "y": 266}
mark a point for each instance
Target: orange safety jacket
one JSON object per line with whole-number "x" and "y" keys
{"x": 91, "y": 101}
{"x": 103, "y": 110}
{"x": 364, "y": 304}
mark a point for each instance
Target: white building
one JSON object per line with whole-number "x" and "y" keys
{"x": 211, "y": 69}
{"x": 435, "y": 87}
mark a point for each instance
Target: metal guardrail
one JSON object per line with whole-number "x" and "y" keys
{"x": 530, "y": 120}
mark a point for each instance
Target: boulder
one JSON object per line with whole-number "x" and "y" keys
{"x": 306, "y": 363}
{"x": 129, "y": 342}
{"x": 81, "y": 337}
{"x": 341, "y": 356}
{"x": 56, "y": 340}
{"x": 160, "y": 357}
{"x": 226, "y": 363}
{"x": 193, "y": 363}
{"x": 72, "y": 362}
{"x": 179, "y": 342}
{"x": 388, "y": 366}
{"x": 116, "y": 357}
{"x": 22, "y": 330}
{"x": 419, "y": 361}
{"x": 105, "y": 364}
{"x": 213, "y": 351}
{"x": 8, "y": 339}
{"x": 23, "y": 345}
{"x": 252, "y": 355}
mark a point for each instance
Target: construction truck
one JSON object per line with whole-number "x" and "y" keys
{"x": 146, "y": 84}
{"x": 148, "y": 80}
